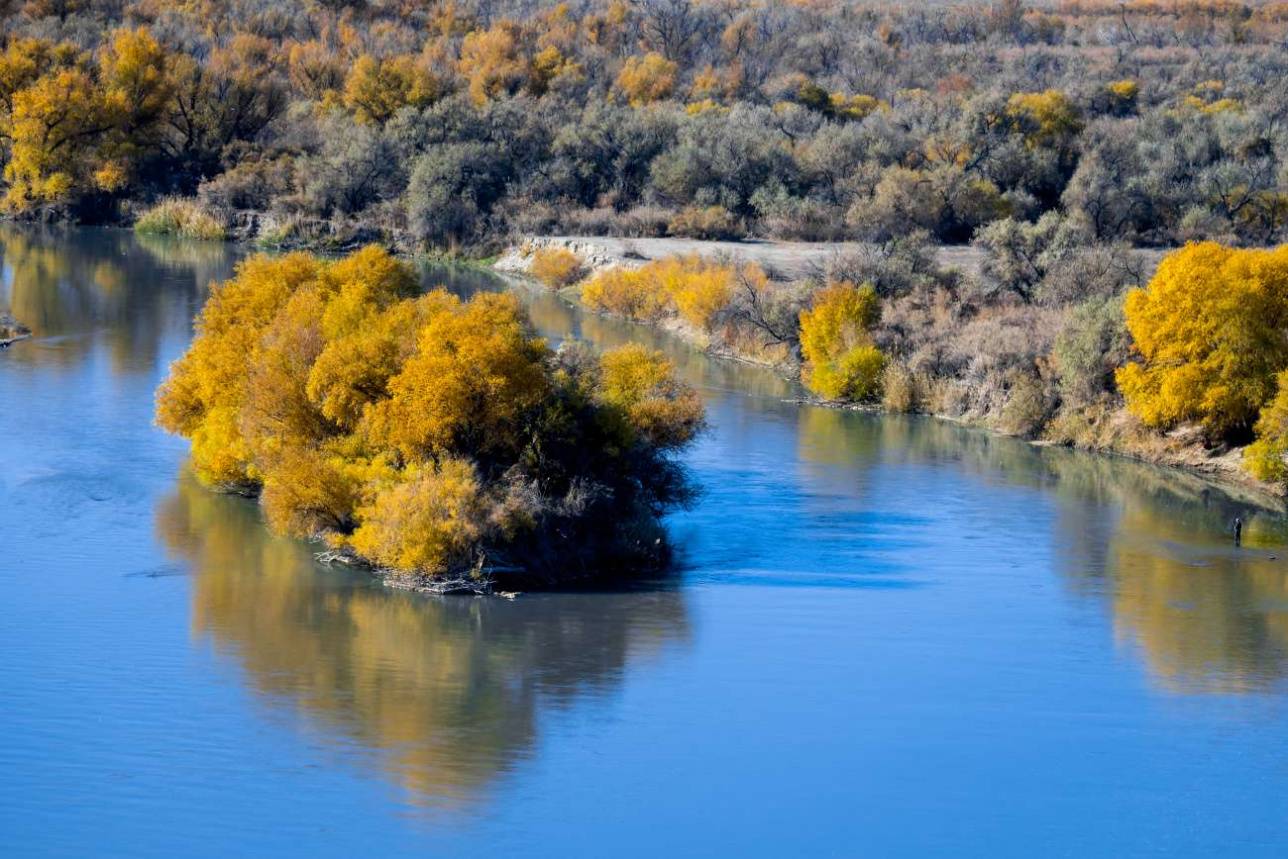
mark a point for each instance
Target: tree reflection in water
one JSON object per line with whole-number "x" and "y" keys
{"x": 1154, "y": 544}
{"x": 444, "y": 695}
{"x": 75, "y": 287}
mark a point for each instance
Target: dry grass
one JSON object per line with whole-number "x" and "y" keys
{"x": 183, "y": 218}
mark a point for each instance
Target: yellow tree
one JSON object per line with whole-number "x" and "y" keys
{"x": 475, "y": 375}
{"x": 492, "y": 62}
{"x": 137, "y": 91}
{"x": 25, "y": 60}
{"x": 841, "y": 361}
{"x": 314, "y": 70}
{"x": 1048, "y": 118}
{"x": 641, "y": 382}
{"x": 1267, "y": 457}
{"x": 1209, "y": 332}
{"x": 54, "y": 126}
{"x": 644, "y": 80}
{"x": 377, "y": 89}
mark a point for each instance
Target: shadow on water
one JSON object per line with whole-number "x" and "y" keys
{"x": 445, "y": 695}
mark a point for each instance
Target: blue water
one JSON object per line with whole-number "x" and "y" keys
{"x": 889, "y": 637}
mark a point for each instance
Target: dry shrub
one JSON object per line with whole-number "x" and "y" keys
{"x": 186, "y": 219}
{"x": 900, "y": 389}
{"x": 711, "y": 223}
{"x": 1026, "y": 407}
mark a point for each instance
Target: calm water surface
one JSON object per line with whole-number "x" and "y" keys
{"x": 890, "y": 637}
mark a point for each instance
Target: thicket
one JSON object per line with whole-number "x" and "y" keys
{"x": 428, "y": 435}
{"x": 453, "y": 124}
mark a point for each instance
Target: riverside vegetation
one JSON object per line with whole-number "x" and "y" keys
{"x": 435, "y": 438}
{"x": 1180, "y": 369}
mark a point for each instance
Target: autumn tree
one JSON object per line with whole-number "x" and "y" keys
{"x": 492, "y": 61}
{"x": 55, "y": 126}
{"x": 841, "y": 361}
{"x": 644, "y": 80}
{"x": 1209, "y": 333}
{"x": 1267, "y": 457}
{"x": 377, "y": 88}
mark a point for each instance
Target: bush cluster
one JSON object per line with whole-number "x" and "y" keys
{"x": 841, "y": 360}
{"x": 425, "y": 434}
{"x": 695, "y": 288}
{"x": 556, "y": 267}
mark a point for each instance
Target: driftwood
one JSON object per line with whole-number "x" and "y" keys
{"x": 11, "y": 331}
{"x": 477, "y": 582}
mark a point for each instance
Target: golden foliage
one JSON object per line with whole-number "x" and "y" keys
{"x": 1044, "y": 118}
{"x": 1208, "y": 329}
{"x": 70, "y": 131}
{"x": 1267, "y": 457}
{"x": 492, "y": 62}
{"x": 625, "y": 292}
{"x": 841, "y": 361}
{"x": 644, "y": 80}
{"x": 428, "y": 520}
{"x": 695, "y": 288}
{"x": 1124, "y": 90}
{"x": 641, "y": 382}
{"x": 51, "y": 123}
{"x": 406, "y": 427}
{"x": 376, "y": 89}
{"x": 475, "y": 375}
{"x": 556, "y": 267}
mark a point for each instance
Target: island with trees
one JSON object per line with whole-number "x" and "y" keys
{"x": 436, "y": 439}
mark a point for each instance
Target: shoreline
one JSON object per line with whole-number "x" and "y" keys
{"x": 1218, "y": 469}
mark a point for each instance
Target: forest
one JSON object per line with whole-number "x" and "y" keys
{"x": 458, "y": 125}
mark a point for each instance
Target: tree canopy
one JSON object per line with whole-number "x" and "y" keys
{"x": 1210, "y": 332}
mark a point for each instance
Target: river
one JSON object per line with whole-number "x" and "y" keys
{"x": 887, "y": 636}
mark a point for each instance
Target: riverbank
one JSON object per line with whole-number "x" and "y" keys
{"x": 1102, "y": 426}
